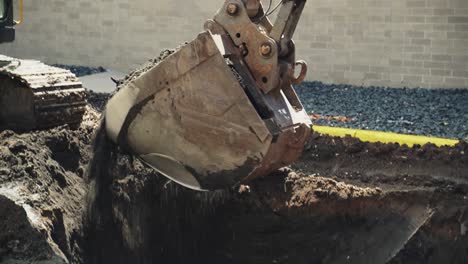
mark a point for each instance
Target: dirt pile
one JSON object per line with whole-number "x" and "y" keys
{"x": 288, "y": 217}
{"x": 387, "y": 165}
{"x": 146, "y": 67}
{"x": 42, "y": 193}
{"x": 307, "y": 190}
{"x": 427, "y": 175}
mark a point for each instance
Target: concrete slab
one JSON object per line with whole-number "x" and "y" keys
{"x": 101, "y": 82}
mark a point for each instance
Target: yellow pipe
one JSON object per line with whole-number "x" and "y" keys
{"x": 384, "y": 137}
{"x": 20, "y": 20}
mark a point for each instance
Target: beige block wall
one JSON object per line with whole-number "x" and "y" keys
{"x": 414, "y": 43}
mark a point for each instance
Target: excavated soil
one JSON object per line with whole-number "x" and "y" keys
{"x": 43, "y": 193}
{"x": 289, "y": 216}
{"x": 386, "y": 165}
{"x": 64, "y": 199}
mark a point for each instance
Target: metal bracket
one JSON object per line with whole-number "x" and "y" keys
{"x": 251, "y": 37}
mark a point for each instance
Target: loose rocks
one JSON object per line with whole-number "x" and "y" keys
{"x": 429, "y": 112}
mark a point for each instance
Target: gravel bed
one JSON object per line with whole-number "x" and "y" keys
{"x": 429, "y": 112}
{"x": 81, "y": 71}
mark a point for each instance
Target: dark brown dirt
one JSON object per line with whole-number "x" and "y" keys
{"x": 345, "y": 201}
{"x": 440, "y": 173}
{"x": 288, "y": 217}
{"x": 18, "y": 239}
{"x": 42, "y": 191}
{"x": 387, "y": 165}
{"x": 145, "y": 67}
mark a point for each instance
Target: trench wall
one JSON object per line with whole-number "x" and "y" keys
{"x": 413, "y": 43}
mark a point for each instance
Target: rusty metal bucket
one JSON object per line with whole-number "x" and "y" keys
{"x": 196, "y": 118}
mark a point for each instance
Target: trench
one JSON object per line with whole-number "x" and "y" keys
{"x": 137, "y": 216}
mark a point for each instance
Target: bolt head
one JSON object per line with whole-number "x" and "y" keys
{"x": 232, "y": 9}
{"x": 265, "y": 49}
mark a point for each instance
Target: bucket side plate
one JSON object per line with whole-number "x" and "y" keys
{"x": 189, "y": 118}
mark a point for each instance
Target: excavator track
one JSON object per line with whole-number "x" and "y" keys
{"x": 34, "y": 95}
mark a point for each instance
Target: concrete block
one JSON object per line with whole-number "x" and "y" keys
{"x": 443, "y": 42}
{"x": 443, "y": 27}
{"x": 415, "y": 19}
{"x": 399, "y": 70}
{"x": 444, "y": 12}
{"x": 336, "y": 45}
{"x": 378, "y": 69}
{"x": 435, "y": 35}
{"x": 436, "y": 49}
{"x": 459, "y": 3}
{"x": 441, "y": 57}
{"x": 395, "y": 63}
{"x": 461, "y": 11}
{"x": 318, "y": 45}
{"x": 436, "y": 3}
{"x": 457, "y": 66}
{"x": 415, "y": 3}
{"x": 422, "y": 26}
{"x": 337, "y": 76}
{"x": 463, "y": 58}
{"x": 412, "y": 78}
{"x": 421, "y": 42}
{"x": 434, "y": 65}
{"x": 412, "y": 63}
{"x": 461, "y": 27}
{"x": 414, "y": 49}
{"x": 430, "y": 79}
{"x": 457, "y": 35}
{"x": 354, "y": 75}
{"x": 421, "y": 11}
{"x": 396, "y": 78}
{"x": 455, "y": 82}
{"x": 463, "y": 74}
{"x": 419, "y": 71}
{"x": 458, "y": 19}
{"x": 343, "y": 68}
{"x": 360, "y": 68}
{"x": 436, "y": 19}
{"x": 415, "y": 34}
{"x": 440, "y": 72}
{"x": 372, "y": 76}
{"x": 324, "y": 38}
{"x": 460, "y": 46}
{"x": 421, "y": 56}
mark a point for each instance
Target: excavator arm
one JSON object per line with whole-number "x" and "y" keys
{"x": 222, "y": 109}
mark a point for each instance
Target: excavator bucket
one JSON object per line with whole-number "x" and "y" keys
{"x": 200, "y": 116}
